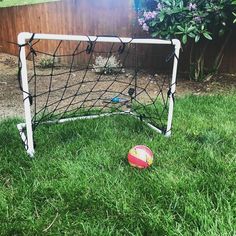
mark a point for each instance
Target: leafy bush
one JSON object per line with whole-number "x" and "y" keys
{"x": 188, "y": 21}
{"x": 107, "y": 66}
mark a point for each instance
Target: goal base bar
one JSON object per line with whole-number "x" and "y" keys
{"x": 22, "y": 126}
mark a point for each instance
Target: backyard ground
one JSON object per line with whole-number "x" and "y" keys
{"x": 11, "y": 97}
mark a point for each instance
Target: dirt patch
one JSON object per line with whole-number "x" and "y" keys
{"x": 221, "y": 83}
{"x": 11, "y": 97}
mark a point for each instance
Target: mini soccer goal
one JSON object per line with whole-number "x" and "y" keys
{"x": 66, "y": 78}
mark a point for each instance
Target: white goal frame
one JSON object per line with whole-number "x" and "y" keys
{"x": 27, "y": 137}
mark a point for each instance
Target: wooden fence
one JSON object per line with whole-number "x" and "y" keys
{"x": 87, "y": 17}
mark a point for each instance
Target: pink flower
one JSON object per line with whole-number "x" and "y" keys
{"x": 145, "y": 27}
{"x": 148, "y": 15}
{"x": 159, "y": 6}
{"x": 141, "y": 21}
{"x": 197, "y": 19}
{"x": 192, "y": 6}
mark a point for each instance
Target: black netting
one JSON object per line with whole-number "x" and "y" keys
{"x": 74, "y": 79}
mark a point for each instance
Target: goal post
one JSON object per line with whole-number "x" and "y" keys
{"x": 93, "y": 90}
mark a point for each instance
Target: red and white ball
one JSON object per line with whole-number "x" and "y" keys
{"x": 140, "y": 156}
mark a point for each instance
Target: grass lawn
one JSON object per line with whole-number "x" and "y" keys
{"x": 81, "y": 184}
{"x": 10, "y": 3}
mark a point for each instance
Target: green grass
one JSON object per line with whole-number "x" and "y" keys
{"x": 10, "y": 3}
{"x": 81, "y": 184}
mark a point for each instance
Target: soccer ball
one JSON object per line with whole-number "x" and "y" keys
{"x": 140, "y": 156}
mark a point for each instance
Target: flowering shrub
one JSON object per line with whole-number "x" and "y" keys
{"x": 186, "y": 19}
{"x": 190, "y": 21}
{"x": 107, "y": 66}
{"x": 46, "y": 62}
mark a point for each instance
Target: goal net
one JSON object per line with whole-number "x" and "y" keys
{"x": 66, "y": 78}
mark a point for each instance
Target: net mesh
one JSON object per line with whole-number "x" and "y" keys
{"x": 72, "y": 79}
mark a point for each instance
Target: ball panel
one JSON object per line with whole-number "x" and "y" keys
{"x": 150, "y": 160}
{"x": 138, "y": 153}
{"x": 147, "y": 150}
{"x": 134, "y": 161}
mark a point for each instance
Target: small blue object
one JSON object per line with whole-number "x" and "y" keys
{"x": 117, "y": 100}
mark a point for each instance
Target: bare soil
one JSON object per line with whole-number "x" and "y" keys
{"x": 11, "y": 104}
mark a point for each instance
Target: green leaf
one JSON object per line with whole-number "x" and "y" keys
{"x": 169, "y": 3}
{"x": 235, "y": 18}
{"x": 154, "y": 34}
{"x": 161, "y": 16}
{"x": 191, "y": 28}
{"x": 221, "y": 32}
{"x": 197, "y": 38}
{"x": 180, "y": 28}
{"x": 153, "y": 23}
{"x": 207, "y": 35}
{"x": 191, "y": 35}
{"x": 184, "y": 39}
